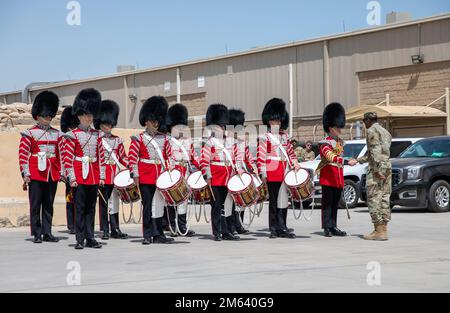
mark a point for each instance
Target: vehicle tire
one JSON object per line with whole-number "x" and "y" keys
{"x": 351, "y": 191}
{"x": 439, "y": 197}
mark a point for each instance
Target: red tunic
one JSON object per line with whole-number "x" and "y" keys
{"x": 82, "y": 143}
{"x": 216, "y": 165}
{"x": 271, "y": 162}
{"x": 108, "y": 167}
{"x": 332, "y": 175}
{"x": 144, "y": 160}
{"x": 40, "y": 139}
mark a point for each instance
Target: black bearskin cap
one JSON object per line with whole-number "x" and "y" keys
{"x": 68, "y": 120}
{"x": 285, "y": 121}
{"x": 274, "y": 110}
{"x": 333, "y": 116}
{"x": 154, "y": 109}
{"x": 217, "y": 114}
{"x": 109, "y": 114}
{"x": 87, "y": 102}
{"x": 177, "y": 115}
{"x": 45, "y": 104}
{"x": 237, "y": 117}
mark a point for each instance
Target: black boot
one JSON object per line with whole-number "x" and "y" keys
{"x": 93, "y": 244}
{"x": 105, "y": 235}
{"x": 117, "y": 234}
{"x": 327, "y": 233}
{"x": 37, "y": 239}
{"x": 162, "y": 239}
{"x": 338, "y": 233}
{"x": 147, "y": 241}
{"x": 50, "y": 238}
{"x": 230, "y": 237}
{"x": 217, "y": 238}
{"x": 79, "y": 246}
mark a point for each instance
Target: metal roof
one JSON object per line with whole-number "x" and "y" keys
{"x": 250, "y": 52}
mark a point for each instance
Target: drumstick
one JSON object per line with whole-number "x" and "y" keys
{"x": 101, "y": 195}
{"x": 212, "y": 193}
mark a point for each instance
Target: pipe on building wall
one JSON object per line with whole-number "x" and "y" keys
{"x": 125, "y": 87}
{"x": 178, "y": 85}
{"x": 326, "y": 73}
{"x": 26, "y": 98}
{"x": 291, "y": 99}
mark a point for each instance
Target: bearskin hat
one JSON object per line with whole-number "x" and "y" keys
{"x": 68, "y": 120}
{"x": 274, "y": 110}
{"x": 217, "y": 114}
{"x": 109, "y": 114}
{"x": 333, "y": 116}
{"x": 45, "y": 104}
{"x": 87, "y": 102}
{"x": 237, "y": 117}
{"x": 154, "y": 109}
{"x": 177, "y": 115}
{"x": 285, "y": 121}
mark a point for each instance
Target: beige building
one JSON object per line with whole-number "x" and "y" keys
{"x": 354, "y": 68}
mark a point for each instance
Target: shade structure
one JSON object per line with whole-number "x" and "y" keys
{"x": 393, "y": 111}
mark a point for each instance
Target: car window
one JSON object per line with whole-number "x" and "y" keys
{"x": 438, "y": 148}
{"x": 353, "y": 150}
{"x": 398, "y": 147}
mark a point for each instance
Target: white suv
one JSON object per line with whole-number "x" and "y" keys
{"x": 352, "y": 175}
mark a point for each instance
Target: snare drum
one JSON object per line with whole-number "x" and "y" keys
{"x": 128, "y": 191}
{"x": 243, "y": 190}
{"x": 200, "y": 190}
{"x": 262, "y": 189}
{"x": 173, "y": 187}
{"x": 300, "y": 185}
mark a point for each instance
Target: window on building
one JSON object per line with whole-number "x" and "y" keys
{"x": 201, "y": 82}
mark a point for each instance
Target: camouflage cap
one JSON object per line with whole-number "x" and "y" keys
{"x": 370, "y": 116}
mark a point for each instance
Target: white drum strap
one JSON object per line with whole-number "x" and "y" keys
{"x": 110, "y": 151}
{"x": 157, "y": 149}
{"x": 275, "y": 141}
{"x": 183, "y": 149}
{"x": 222, "y": 147}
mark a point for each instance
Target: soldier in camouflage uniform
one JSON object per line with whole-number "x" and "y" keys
{"x": 379, "y": 176}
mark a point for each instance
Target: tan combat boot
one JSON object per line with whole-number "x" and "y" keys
{"x": 378, "y": 235}
{"x": 384, "y": 235}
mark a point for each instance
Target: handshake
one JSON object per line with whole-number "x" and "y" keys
{"x": 352, "y": 162}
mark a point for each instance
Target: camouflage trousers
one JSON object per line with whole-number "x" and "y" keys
{"x": 379, "y": 197}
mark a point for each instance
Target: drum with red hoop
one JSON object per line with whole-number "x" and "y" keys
{"x": 300, "y": 185}
{"x": 128, "y": 191}
{"x": 263, "y": 191}
{"x": 200, "y": 189}
{"x": 173, "y": 187}
{"x": 243, "y": 190}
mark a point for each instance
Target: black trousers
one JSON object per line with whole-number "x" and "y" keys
{"x": 85, "y": 202}
{"x": 234, "y": 221}
{"x": 42, "y": 197}
{"x": 107, "y": 222}
{"x": 218, "y": 220}
{"x": 169, "y": 219}
{"x": 150, "y": 227}
{"x": 277, "y": 216}
{"x": 70, "y": 209}
{"x": 330, "y": 206}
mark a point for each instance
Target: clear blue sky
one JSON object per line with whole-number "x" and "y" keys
{"x": 36, "y": 44}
